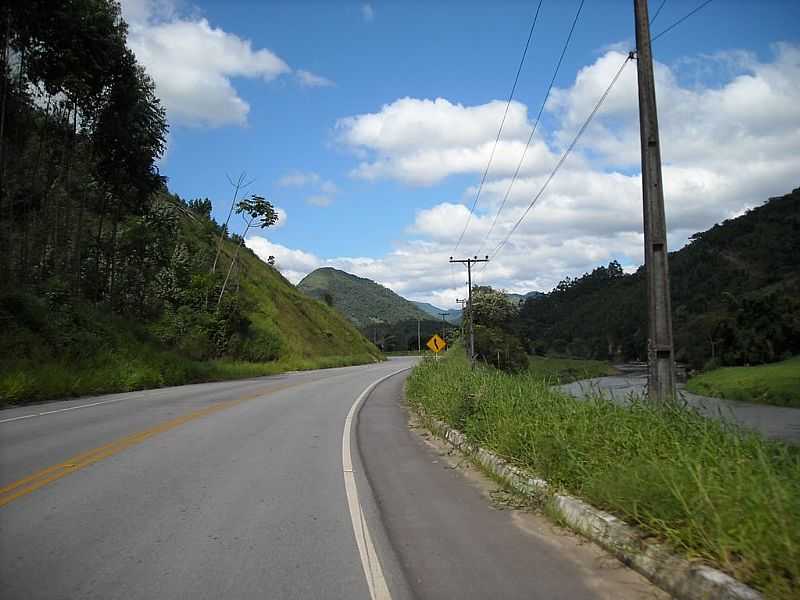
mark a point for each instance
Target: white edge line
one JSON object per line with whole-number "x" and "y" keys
{"x": 376, "y": 581}
{"x": 60, "y": 410}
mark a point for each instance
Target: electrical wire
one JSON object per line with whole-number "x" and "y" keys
{"x": 500, "y": 130}
{"x": 588, "y": 120}
{"x": 535, "y": 126}
{"x": 563, "y": 157}
{"x": 658, "y": 10}
{"x": 681, "y": 20}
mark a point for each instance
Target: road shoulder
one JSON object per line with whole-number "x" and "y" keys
{"x": 455, "y": 534}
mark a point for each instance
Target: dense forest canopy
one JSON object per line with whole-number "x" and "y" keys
{"x": 735, "y": 298}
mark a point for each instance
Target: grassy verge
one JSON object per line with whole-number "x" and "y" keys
{"x": 711, "y": 491}
{"x": 29, "y": 381}
{"x": 566, "y": 370}
{"x": 777, "y": 383}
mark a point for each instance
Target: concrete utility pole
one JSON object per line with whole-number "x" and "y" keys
{"x": 419, "y": 340}
{"x": 660, "y": 358}
{"x": 469, "y": 262}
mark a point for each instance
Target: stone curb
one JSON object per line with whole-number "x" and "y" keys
{"x": 675, "y": 575}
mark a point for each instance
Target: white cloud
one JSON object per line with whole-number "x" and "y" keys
{"x": 421, "y": 141}
{"x": 298, "y": 179}
{"x": 725, "y": 148}
{"x": 319, "y": 200}
{"x": 367, "y": 12}
{"x": 282, "y": 216}
{"x": 328, "y": 187}
{"x": 325, "y": 190}
{"x": 309, "y": 79}
{"x": 194, "y": 64}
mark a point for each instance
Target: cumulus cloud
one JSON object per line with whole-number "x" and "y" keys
{"x": 282, "y": 216}
{"x": 421, "y": 141}
{"x": 194, "y": 64}
{"x": 725, "y": 147}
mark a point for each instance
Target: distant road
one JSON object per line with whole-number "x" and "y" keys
{"x": 264, "y": 488}
{"x": 776, "y": 422}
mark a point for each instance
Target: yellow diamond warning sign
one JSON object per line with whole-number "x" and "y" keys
{"x": 436, "y": 343}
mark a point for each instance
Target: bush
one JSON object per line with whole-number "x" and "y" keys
{"x": 500, "y": 349}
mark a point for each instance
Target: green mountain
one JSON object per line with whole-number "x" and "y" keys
{"x": 361, "y": 300}
{"x": 453, "y": 315}
{"x": 735, "y": 297}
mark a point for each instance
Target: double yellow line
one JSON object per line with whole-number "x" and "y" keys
{"x": 41, "y": 478}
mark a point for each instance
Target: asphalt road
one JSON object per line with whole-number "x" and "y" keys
{"x": 254, "y": 489}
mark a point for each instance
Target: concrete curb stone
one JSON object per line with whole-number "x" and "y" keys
{"x": 678, "y": 576}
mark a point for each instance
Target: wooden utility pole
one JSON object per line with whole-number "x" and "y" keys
{"x": 444, "y": 325}
{"x": 462, "y": 302}
{"x": 469, "y": 262}
{"x": 660, "y": 358}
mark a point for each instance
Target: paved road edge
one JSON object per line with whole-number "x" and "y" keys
{"x": 673, "y": 574}
{"x": 370, "y": 562}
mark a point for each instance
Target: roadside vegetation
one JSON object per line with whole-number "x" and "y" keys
{"x": 712, "y": 491}
{"x": 107, "y": 280}
{"x": 57, "y": 350}
{"x": 777, "y": 383}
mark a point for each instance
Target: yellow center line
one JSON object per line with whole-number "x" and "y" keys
{"x": 39, "y": 479}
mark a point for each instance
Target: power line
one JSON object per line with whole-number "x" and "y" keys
{"x": 658, "y": 10}
{"x": 563, "y": 156}
{"x": 591, "y": 116}
{"x": 500, "y": 130}
{"x": 535, "y": 126}
{"x": 681, "y": 20}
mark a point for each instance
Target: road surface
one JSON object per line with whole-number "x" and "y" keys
{"x": 266, "y": 488}
{"x": 775, "y": 422}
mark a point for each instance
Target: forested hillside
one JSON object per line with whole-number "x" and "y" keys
{"x": 361, "y": 300}
{"x": 103, "y": 270}
{"x": 735, "y": 297}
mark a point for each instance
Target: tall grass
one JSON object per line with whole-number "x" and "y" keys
{"x": 714, "y": 492}
{"x": 29, "y": 381}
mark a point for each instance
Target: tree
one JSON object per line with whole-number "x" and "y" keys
{"x": 260, "y": 214}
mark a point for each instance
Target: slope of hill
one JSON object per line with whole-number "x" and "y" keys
{"x": 56, "y": 345}
{"x": 361, "y": 300}
{"x": 735, "y": 297}
{"x": 453, "y": 314}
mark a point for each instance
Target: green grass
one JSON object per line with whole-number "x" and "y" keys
{"x": 54, "y": 350}
{"x": 123, "y": 371}
{"x": 713, "y": 492}
{"x": 566, "y": 370}
{"x": 777, "y": 383}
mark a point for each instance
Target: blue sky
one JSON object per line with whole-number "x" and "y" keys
{"x": 304, "y": 98}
